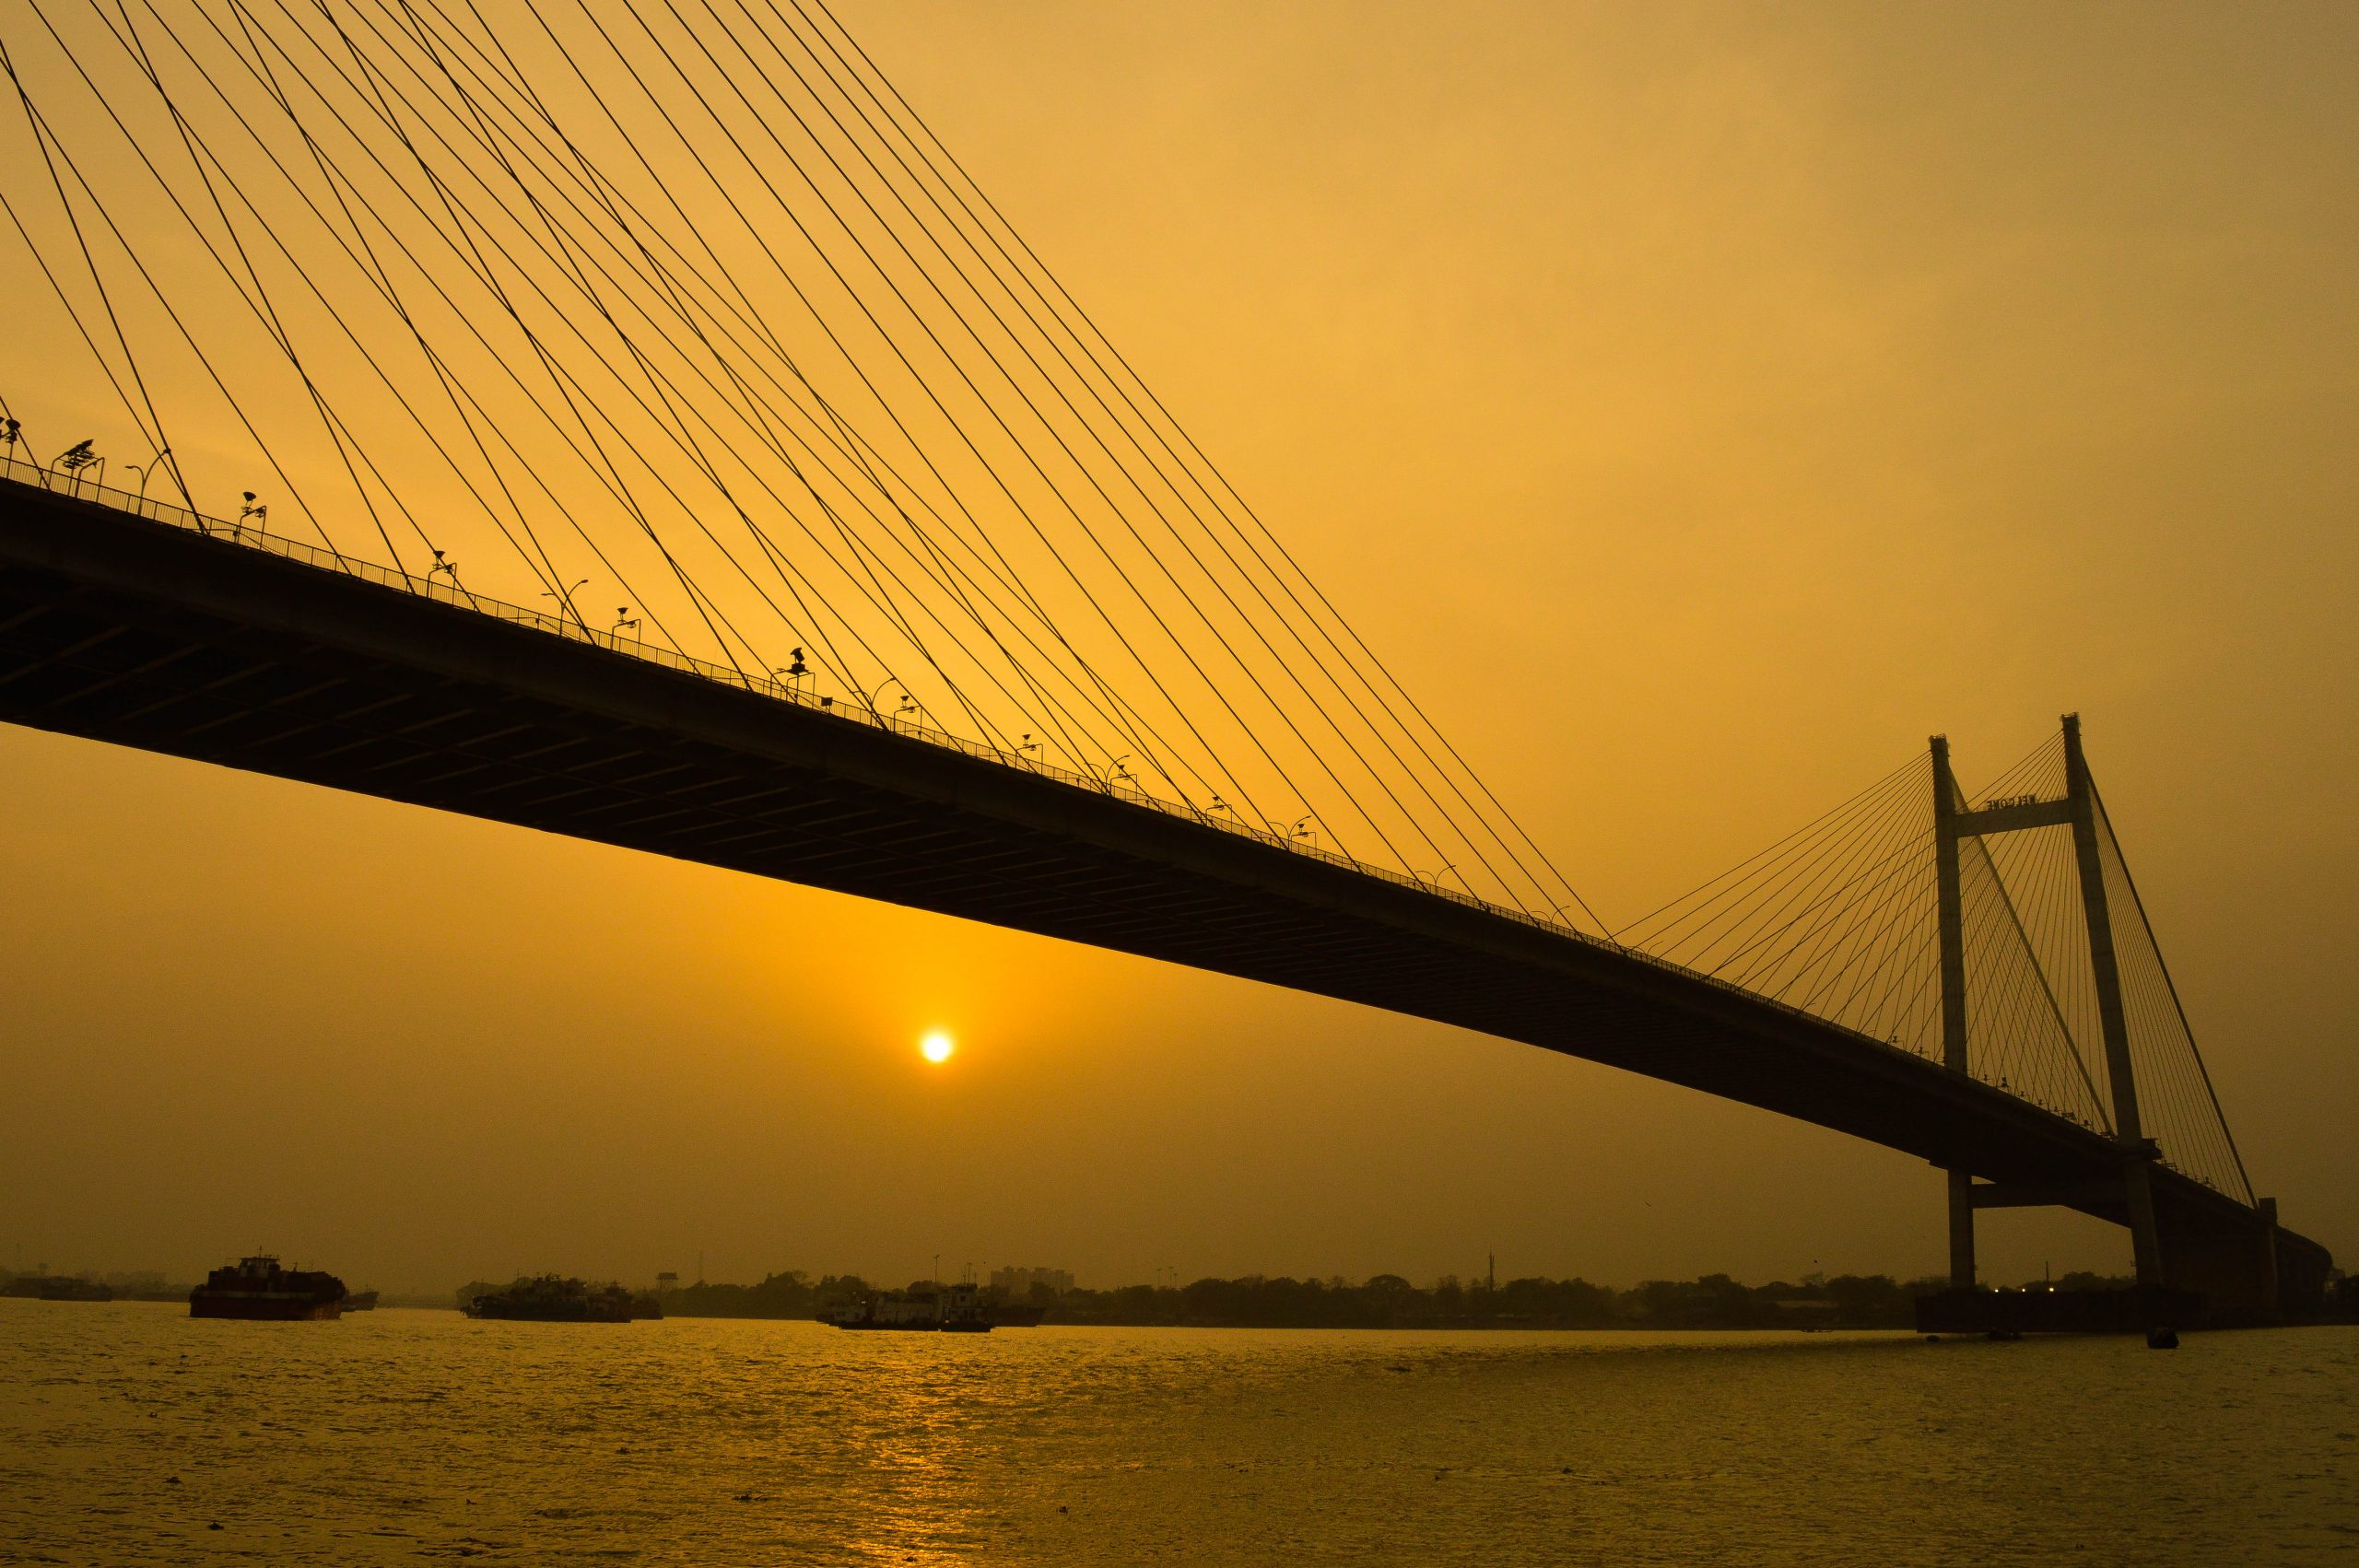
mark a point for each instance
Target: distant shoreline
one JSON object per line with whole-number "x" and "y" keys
{"x": 1713, "y": 1303}
{"x": 2341, "y": 1319}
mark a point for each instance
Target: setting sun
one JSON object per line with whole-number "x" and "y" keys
{"x": 936, "y": 1046}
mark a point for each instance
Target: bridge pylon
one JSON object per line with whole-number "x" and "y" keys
{"x": 2137, "y": 1151}
{"x": 1951, "y": 915}
{"x": 1954, "y": 823}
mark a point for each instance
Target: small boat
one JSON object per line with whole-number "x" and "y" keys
{"x": 360, "y": 1301}
{"x": 257, "y": 1289}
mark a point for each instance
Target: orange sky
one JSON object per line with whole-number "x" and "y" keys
{"x": 1699, "y": 406}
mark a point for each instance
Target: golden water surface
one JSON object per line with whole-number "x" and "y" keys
{"x": 129, "y": 1433}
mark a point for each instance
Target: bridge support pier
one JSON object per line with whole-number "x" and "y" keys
{"x": 2227, "y": 1269}
{"x": 1961, "y": 1230}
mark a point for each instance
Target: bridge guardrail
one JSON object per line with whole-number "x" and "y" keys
{"x": 451, "y": 593}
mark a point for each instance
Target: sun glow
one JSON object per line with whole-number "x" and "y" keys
{"x": 936, "y": 1046}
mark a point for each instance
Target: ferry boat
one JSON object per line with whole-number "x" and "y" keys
{"x": 257, "y": 1288}
{"x": 551, "y": 1298}
{"x": 953, "y": 1309}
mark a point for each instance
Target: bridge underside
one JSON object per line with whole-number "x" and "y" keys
{"x": 122, "y": 630}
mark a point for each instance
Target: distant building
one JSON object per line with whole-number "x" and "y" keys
{"x": 1019, "y": 1282}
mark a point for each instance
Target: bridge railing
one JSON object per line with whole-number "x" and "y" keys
{"x": 445, "y": 587}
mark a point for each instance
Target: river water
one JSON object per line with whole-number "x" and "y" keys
{"x": 129, "y": 1433}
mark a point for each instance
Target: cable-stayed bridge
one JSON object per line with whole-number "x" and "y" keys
{"x": 921, "y": 594}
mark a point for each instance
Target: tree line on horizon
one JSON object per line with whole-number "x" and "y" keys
{"x": 1388, "y": 1301}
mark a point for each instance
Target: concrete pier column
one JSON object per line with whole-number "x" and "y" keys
{"x": 1961, "y": 1231}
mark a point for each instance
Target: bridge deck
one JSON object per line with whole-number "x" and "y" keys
{"x": 130, "y": 631}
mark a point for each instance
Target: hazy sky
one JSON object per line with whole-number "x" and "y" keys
{"x": 1700, "y": 406}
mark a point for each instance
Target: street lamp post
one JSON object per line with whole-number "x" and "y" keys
{"x": 564, "y": 597}
{"x": 147, "y": 470}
